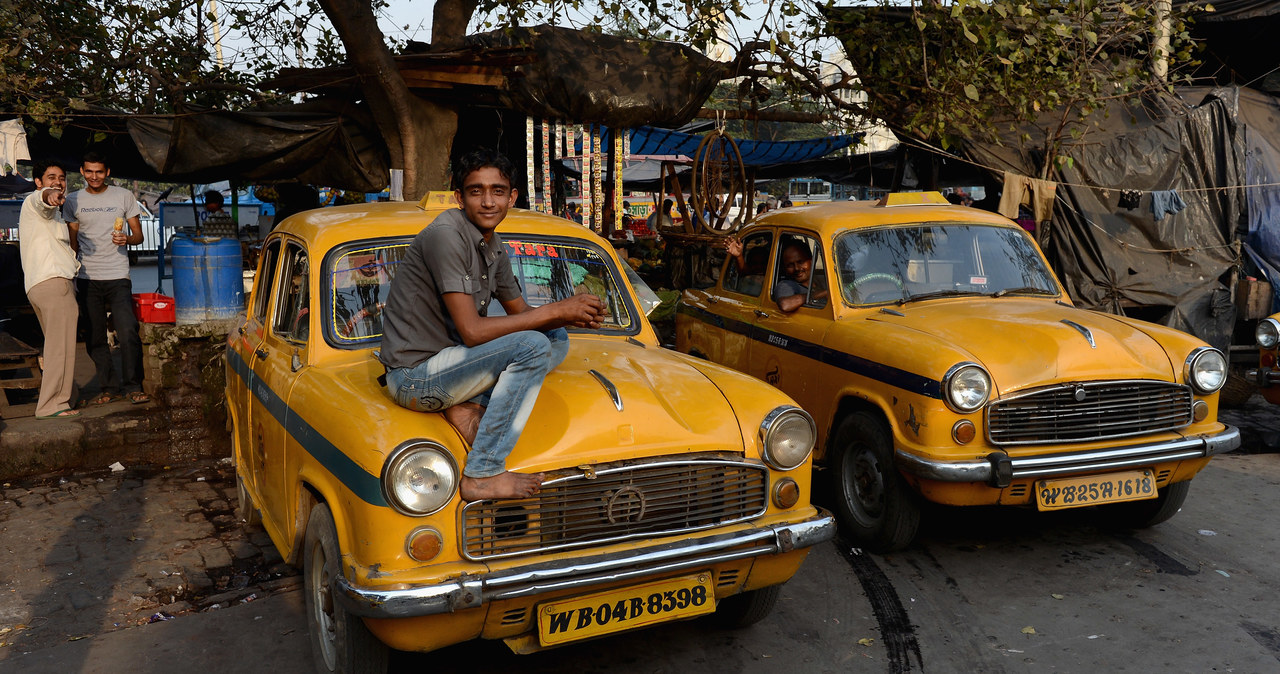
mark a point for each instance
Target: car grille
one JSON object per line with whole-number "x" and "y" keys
{"x": 616, "y": 503}
{"x": 1089, "y": 411}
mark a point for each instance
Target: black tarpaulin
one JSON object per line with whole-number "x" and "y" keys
{"x": 1172, "y": 270}
{"x": 603, "y": 79}
{"x": 321, "y": 148}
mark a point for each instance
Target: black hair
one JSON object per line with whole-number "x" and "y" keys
{"x": 482, "y": 158}
{"x": 800, "y": 246}
{"x": 38, "y": 168}
{"x": 96, "y": 158}
{"x": 213, "y": 197}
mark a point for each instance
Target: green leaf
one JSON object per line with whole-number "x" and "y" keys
{"x": 971, "y": 91}
{"x": 970, "y": 36}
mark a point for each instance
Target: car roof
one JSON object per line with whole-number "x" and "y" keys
{"x": 836, "y": 216}
{"x": 336, "y": 225}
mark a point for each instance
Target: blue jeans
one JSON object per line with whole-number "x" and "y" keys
{"x": 504, "y": 375}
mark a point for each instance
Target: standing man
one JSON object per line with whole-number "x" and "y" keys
{"x": 444, "y": 353}
{"x": 217, "y": 222}
{"x": 98, "y": 216}
{"x": 48, "y": 269}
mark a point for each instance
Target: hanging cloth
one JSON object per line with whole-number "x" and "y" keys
{"x": 1031, "y": 192}
{"x": 1165, "y": 203}
{"x": 13, "y": 145}
{"x": 1129, "y": 199}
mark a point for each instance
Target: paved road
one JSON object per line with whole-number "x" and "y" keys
{"x": 987, "y": 590}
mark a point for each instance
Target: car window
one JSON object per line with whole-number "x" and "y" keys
{"x": 293, "y": 308}
{"x": 909, "y": 262}
{"x": 755, "y": 255}
{"x": 790, "y": 277}
{"x": 265, "y": 280}
{"x": 359, "y": 281}
{"x": 553, "y": 270}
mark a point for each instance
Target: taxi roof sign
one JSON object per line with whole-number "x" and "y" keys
{"x": 436, "y": 199}
{"x": 914, "y": 199}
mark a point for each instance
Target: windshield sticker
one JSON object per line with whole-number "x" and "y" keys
{"x": 524, "y": 249}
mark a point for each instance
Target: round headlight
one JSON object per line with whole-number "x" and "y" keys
{"x": 966, "y": 387}
{"x": 1206, "y": 370}
{"x": 419, "y": 478}
{"x": 788, "y": 435}
{"x": 1268, "y": 333}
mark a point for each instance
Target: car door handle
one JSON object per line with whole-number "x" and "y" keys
{"x": 242, "y": 331}
{"x": 261, "y": 352}
{"x": 761, "y": 314}
{"x": 713, "y": 300}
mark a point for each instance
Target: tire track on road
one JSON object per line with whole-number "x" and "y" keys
{"x": 896, "y": 630}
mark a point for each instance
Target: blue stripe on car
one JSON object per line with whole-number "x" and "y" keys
{"x": 366, "y": 486}
{"x": 908, "y": 381}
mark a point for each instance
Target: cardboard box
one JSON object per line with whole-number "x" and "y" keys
{"x": 153, "y": 308}
{"x": 1253, "y": 298}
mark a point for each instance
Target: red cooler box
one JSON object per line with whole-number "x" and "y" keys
{"x": 153, "y": 308}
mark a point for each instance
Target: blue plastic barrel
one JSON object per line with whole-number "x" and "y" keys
{"x": 208, "y": 283}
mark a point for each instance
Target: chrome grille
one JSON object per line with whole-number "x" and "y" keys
{"x": 618, "y": 503}
{"x": 1089, "y": 411}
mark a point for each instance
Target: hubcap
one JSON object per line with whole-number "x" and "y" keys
{"x": 865, "y": 487}
{"x": 322, "y": 603}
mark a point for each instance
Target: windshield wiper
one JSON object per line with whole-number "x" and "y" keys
{"x": 940, "y": 293}
{"x": 1027, "y": 290}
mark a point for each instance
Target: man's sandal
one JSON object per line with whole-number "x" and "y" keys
{"x": 138, "y": 397}
{"x": 62, "y": 414}
{"x": 104, "y": 398}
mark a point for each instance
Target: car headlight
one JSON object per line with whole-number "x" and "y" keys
{"x": 788, "y": 435}
{"x": 1268, "y": 333}
{"x": 1206, "y": 370}
{"x": 966, "y": 387}
{"x": 419, "y": 478}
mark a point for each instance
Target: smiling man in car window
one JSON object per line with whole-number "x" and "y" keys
{"x": 442, "y": 350}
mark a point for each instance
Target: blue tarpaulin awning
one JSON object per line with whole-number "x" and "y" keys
{"x": 647, "y": 140}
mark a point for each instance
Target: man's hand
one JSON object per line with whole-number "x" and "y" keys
{"x": 733, "y": 246}
{"x": 581, "y": 311}
{"x": 119, "y": 238}
{"x": 53, "y": 197}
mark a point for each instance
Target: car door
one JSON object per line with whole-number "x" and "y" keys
{"x": 737, "y": 302}
{"x": 276, "y": 362}
{"x": 786, "y": 348}
{"x": 244, "y": 342}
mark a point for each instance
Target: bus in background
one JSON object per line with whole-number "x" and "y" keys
{"x": 802, "y": 191}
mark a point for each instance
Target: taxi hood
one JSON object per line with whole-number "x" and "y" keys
{"x": 667, "y": 407}
{"x": 1031, "y": 342}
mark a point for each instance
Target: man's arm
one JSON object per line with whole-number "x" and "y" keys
{"x": 790, "y": 303}
{"x": 73, "y": 228}
{"x": 582, "y": 311}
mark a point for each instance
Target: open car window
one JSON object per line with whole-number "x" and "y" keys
{"x": 749, "y": 280}
{"x": 899, "y": 264}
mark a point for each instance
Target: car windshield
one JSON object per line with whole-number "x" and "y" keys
{"x": 359, "y": 281}
{"x": 919, "y": 262}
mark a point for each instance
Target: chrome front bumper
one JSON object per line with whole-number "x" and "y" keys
{"x": 471, "y": 591}
{"x": 998, "y": 469}
{"x": 1262, "y": 377}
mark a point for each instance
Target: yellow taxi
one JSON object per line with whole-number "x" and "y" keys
{"x": 942, "y": 361}
{"x": 675, "y": 487}
{"x": 1267, "y": 376}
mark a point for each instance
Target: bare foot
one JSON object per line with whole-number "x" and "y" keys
{"x": 502, "y": 485}
{"x": 466, "y": 418}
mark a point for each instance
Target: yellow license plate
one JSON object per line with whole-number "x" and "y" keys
{"x": 1078, "y": 492}
{"x": 628, "y": 608}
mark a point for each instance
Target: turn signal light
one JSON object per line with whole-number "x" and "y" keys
{"x": 424, "y": 544}
{"x": 786, "y": 493}
{"x": 1268, "y": 359}
{"x": 963, "y": 432}
{"x": 1200, "y": 411}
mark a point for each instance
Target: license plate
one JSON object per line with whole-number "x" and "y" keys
{"x": 1078, "y": 492}
{"x": 628, "y": 608}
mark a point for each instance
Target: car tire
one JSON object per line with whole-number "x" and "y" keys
{"x": 747, "y": 608}
{"x": 246, "y": 510}
{"x": 340, "y": 641}
{"x": 1150, "y": 512}
{"x": 874, "y": 504}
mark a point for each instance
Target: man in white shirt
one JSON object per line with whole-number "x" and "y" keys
{"x": 48, "y": 267}
{"x": 99, "y": 216}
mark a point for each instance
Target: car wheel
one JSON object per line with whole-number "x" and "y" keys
{"x": 747, "y": 608}
{"x": 875, "y": 505}
{"x": 245, "y": 508}
{"x": 1150, "y": 512}
{"x": 340, "y": 642}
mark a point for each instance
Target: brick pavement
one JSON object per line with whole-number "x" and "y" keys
{"x": 94, "y": 552}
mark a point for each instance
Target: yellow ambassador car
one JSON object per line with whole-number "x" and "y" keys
{"x": 674, "y": 488}
{"x": 941, "y": 359}
{"x": 1267, "y": 376}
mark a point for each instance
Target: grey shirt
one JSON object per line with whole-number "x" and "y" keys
{"x": 448, "y": 256}
{"x": 101, "y": 260}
